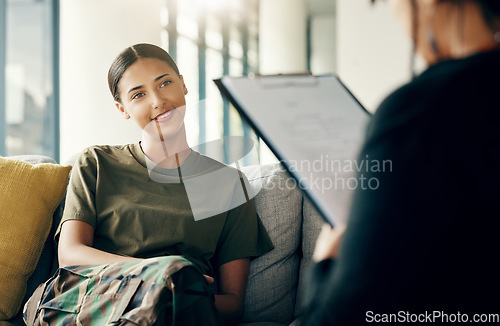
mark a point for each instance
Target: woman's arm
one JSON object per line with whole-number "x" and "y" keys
{"x": 75, "y": 246}
{"x": 233, "y": 280}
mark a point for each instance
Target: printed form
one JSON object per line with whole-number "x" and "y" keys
{"x": 314, "y": 126}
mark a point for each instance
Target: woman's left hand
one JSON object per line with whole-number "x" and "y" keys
{"x": 329, "y": 242}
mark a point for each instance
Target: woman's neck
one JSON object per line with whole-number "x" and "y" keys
{"x": 462, "y": 34}
{"x": 167, "y": 153}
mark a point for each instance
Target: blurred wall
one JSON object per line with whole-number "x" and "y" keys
{"x": 373, "y": 53}
{"x": 93, "y": 32}
{"x": 363, "y": 44}
{"x": 323, "y": 28}
{"x": 282, "y": 36}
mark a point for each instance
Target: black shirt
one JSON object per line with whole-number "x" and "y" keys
{"x": 427, "y": 239}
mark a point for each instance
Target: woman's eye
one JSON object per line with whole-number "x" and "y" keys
{"x": 165, "y": 83}
{"x": 138, "y": 95}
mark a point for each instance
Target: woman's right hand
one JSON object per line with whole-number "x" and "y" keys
{"x": 209, "y": 279}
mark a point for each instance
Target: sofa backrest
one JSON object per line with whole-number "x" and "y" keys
{"x": 273, "y": 278}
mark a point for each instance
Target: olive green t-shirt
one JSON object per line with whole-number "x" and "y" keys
{"x": 141, "y": 210}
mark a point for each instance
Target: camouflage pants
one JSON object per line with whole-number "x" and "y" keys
{"x": 158, "y": 291}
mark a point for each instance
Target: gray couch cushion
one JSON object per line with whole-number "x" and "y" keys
{"x": 272, "y": 282}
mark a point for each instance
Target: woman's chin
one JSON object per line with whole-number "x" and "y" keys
{"x": 167, "y": 132}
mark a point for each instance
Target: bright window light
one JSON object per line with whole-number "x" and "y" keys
{"x": 216, "y": 5}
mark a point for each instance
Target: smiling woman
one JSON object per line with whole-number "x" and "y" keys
{"x": 144, "y": 232}
{"x": 152, "y": 94}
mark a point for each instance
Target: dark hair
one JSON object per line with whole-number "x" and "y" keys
{"x": 490, "y": 8}
{"x": 128, "y": 57}
{"x": 492, "y": 5}
{"x": 491, "y": 13}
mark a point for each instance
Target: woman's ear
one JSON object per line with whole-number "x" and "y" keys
{"x": 183, "y": 85}
{"x": 122, "y": 110}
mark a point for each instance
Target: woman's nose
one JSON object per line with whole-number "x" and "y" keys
{"x": 158, "y": 101}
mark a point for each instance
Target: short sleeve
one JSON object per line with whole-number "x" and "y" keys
{"x": 243, "y": 235}
{"x": 80, "y": 196}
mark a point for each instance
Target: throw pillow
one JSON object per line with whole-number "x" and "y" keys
{"x": 29, "y": 196}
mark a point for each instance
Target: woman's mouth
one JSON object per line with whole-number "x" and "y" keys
{"x": 165, "y": 116}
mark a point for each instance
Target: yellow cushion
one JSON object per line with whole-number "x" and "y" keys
{"x": 29, "y": 195}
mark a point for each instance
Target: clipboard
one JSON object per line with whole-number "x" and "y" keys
{"x": 315, "y": 127}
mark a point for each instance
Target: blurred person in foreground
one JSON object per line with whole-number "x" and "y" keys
{"x": 423, "y": 246}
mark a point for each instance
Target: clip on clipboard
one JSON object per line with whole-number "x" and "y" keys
{"x": 285, "y": 80}
{"x": 314, "y": 126}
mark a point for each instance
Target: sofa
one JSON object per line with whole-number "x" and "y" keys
{"x": 276, "y": 280}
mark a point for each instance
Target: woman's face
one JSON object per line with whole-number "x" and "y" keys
{"x": 153, "y": 95}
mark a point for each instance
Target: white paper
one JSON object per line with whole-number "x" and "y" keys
{"x": 314, "y": 126}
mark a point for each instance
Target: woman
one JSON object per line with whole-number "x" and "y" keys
{"x": 128, "y": 205}
{"x": 423, "y": 247}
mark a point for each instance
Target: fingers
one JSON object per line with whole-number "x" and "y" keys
{"x": 209, "y": 279}
{"x": 339, "y": 230}
{"x": 329, "y": 242}
{"x": 325, "y": 231}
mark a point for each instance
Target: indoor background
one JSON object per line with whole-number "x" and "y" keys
{"x": 54, "y": 57}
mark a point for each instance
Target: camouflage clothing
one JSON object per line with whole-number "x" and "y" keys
{"x": 157, "y": 291}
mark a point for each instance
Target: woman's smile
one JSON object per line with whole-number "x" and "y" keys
{"x": 165, "y": 116}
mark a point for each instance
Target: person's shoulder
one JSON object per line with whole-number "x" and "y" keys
{"x": 455, "y": 83}
{"x": 439, "y": 101}
{"x": 400, "y": 109}
{"x": 104, "y": 152}
{"x": 106, "y": 149}
{"x": 448, "y": 82}
{"x": 485, "y": 65}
